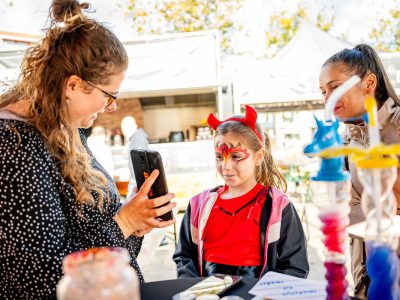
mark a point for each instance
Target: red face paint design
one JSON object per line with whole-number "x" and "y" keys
{"x": 225, "y": 152}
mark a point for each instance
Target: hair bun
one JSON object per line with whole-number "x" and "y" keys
{"x": 61, "y": 10}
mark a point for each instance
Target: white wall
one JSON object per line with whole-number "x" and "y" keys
{"x": 302, "y": 126}
{"x": 159, "y": 122}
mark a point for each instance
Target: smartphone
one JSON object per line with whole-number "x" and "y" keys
{"x": 144, "y": 162}
{"x": 216, "y": 284}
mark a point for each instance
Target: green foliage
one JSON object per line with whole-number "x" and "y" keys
{"x": 170, "y": 16}
{"x": 386, "y": 37}
{"x": 284, "y": 25}
{"x": 6, "y": 3}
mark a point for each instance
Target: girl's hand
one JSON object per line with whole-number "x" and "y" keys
{"x": 138, "y": 215}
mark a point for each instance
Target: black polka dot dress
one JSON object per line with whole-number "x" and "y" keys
{"x": 39, "y": 221}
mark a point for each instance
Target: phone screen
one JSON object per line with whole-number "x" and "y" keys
{"x": 216, "y": 284}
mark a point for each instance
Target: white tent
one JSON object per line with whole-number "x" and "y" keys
{"x": 312, "y": 44}
{"x": 164, "y": 65}
{"x": 289, "y": 78}
{"x": 173, "y": 64}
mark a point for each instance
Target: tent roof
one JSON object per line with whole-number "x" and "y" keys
{"x": 292, "y": 75}
{"x": 175, "y": 64}
{"x": 311, "y": 42}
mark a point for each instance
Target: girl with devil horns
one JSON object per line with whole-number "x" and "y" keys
{"x": 248, "y": 226}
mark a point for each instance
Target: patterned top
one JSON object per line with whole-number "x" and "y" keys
{"x": 39, "y": 221}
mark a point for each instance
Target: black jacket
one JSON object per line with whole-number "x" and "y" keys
{"x": 285, "y": 253}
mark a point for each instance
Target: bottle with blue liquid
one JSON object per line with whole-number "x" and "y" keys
{"x": 378, "y": 205}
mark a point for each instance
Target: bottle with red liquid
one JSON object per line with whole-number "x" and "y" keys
{"x": 331, "y": 192}
{"x": 332, "y": 198}
{"x": 98, "y": 273}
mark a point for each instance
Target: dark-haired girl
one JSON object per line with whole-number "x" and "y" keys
{"x": 363, "y": 61}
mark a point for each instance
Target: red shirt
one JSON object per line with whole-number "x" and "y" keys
{"x": 234, "y": 240}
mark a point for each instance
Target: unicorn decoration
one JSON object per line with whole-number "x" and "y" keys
{"x": 332, "y": 195}
{"x": 327, "y": 136}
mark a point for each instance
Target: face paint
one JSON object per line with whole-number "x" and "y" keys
{"x": 230, "y": 149}
{"x": 225, "y": 152}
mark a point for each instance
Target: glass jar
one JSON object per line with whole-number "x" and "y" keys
{"x": 98, "y": 273}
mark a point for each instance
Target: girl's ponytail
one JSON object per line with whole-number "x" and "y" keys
{"x": 384, "y": 88}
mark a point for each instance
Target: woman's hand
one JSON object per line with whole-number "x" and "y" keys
{"x": 140, "y": 233}
{"x": 138, "y": 215}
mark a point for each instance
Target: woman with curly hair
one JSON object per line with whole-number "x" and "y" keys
{"x": 55, "y": 198}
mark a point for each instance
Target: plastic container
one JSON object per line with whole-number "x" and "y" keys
{"x": 378, "y": 204}
{"x": 98, "y": 273}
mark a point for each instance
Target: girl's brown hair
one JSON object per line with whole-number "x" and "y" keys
{"x": 73, "y": 45}
{"x": 267, "y": 173}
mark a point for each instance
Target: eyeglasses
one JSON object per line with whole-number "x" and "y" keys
{"x": 110, "y": 97}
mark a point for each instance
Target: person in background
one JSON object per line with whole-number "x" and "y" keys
{"x": 363, "y": 61}
{"x": 138, "y": 139}
{"x": 117, "y": 139}
{"x": 248, "y": 226}
{"x": 55, "y": 198}
{"x": 100, "y": 150}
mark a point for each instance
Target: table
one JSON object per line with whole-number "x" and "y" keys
{"x": 164, "y": 290}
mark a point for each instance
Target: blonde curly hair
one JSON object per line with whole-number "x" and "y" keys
{"x": 73, "y": 45}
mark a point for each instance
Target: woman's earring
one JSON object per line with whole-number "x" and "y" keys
{"x": 68, "y": 101}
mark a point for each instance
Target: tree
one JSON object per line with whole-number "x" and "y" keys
{"x": 170, "y": 16}
{"x": 5, "y": 3}
{"x": 386, "y": 36}
{"x": 284, "y": 25}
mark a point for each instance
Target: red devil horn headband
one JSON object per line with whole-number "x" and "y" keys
{"x": 249, "y": 120}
